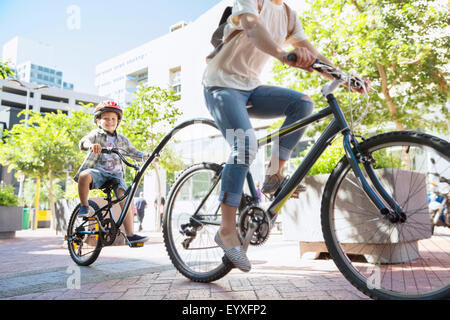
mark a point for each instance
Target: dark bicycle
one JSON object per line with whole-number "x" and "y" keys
{"x": 374, "y": 207}
{"x": 86, "y": 236}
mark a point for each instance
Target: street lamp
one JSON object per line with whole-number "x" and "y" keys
{"x": 29, "y": 90}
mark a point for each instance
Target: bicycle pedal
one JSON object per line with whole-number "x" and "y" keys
{"x": 137, "y": 245}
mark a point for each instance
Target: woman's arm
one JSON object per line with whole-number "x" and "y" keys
{"x": 262, "y": 39}
{"x": 308, "y": 45}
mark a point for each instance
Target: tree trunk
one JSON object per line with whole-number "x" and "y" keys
{"x": 390, "y": 102}
{"x": 52, "y": 202}
{"x": 36, "y": 203}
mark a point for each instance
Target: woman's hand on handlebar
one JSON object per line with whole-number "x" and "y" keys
{"x": 360, "y": 88}
{"x": 305, "y": 59}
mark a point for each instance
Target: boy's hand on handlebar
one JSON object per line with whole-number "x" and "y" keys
{"x": 305, "y": 59}
{"x": 96, "y": 148}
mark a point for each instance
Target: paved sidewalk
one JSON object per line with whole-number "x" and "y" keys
{"x": 36, "y": 265}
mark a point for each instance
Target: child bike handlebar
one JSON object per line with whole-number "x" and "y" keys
{"x": 116, "y": 151}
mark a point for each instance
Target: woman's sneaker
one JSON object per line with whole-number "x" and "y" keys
{"x": 274, "y": 182}
{"x": 84, "y": 212}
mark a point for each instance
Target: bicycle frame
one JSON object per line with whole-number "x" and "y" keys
{"x": 351, "y": 146}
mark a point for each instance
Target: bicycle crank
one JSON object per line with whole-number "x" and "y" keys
{"x": 254, "y": 226}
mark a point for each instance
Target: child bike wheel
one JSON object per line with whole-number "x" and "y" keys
{"x": 382, "y": 257}
{"x": 191, "y": 245}
{"x": 84, "y": 249}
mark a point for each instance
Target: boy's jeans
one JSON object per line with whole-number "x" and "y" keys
{"x": 229, "y": 110}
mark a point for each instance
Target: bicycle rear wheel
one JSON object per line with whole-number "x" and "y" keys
{"x": 189, "y": 239}
{"x": 84, "y": 248}
{"x": 387, "y": 260}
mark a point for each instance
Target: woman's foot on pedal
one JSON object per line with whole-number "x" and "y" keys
{"x": 274, "y": 182}
{"x": 236, "y": 255}
{"x": 83, "y": 212}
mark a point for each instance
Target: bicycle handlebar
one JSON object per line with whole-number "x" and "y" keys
{"x": 116, "y": 151}
{"x": 322, "y": 67}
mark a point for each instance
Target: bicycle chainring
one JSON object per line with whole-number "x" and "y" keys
{"x": 262, "y": 232}
{"x": 109, "y": 237}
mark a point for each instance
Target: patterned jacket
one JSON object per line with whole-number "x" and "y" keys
{"x": 98, "y": 136}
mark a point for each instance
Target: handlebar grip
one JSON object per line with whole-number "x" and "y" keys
{"x": 107, "y": 150}
{"x": 293, "y": 58}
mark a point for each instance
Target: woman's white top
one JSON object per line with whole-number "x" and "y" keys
{"x": 239, "y": 63}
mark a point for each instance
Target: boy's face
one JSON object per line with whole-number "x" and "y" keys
{"x": 108, "y": 121}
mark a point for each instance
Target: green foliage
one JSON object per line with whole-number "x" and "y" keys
{"x": 44, "y": 145}
{"x": 401, "y": 46}
{"x": 148, "y": 119}
{"x": 37, "y": 145}
{"x": 327, "y": 161}
{"x": 7, "y": 197}
{"x": 72, "y": 192}
{"x": 29, "y": 194}
{"x": 5, "y": 71}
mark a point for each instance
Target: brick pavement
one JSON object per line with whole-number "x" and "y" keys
{"x": 34, "y": 266}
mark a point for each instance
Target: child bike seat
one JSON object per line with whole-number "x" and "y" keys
{"x": 109, "y": 186}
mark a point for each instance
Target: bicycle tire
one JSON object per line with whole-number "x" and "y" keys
{"x": 172, "y": 222}
{"x": 74, "y": 247}
{"x": 356, "y": 273}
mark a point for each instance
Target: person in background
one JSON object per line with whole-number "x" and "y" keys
{"x": 141, "y": 204}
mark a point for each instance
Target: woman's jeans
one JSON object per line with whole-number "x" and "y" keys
{"x": 229, "y": 110}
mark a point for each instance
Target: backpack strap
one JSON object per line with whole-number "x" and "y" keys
{"x": 289, "y": 12}
{"x": 260, "y": 5}
{"x": 236, "y": 32}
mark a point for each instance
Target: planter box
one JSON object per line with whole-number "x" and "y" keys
{"x": 65, "y": 207}
{"x": 10, "y": 221}
{"x": 301, "y": 218}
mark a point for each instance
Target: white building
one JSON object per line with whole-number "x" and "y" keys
{"x": 32, "y": 62}
{"x": 16, "y": 97}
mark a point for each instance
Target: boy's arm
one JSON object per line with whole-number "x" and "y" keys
{"x": 132, "y": 152}
{"x": 87, "y": 141}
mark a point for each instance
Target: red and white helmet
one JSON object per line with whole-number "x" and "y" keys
{"x": 108, "y": 106}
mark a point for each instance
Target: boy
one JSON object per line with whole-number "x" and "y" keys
{"x": 98, "y": 168}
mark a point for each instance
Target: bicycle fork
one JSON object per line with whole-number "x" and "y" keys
{"x": 394, "y": 214}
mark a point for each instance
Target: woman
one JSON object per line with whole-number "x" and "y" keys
{"x": 233, "y": 92}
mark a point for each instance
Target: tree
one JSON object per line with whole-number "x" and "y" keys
{"x": 401, "y": 46}
{"x": 5, "y": 71}
{"x": 147, "y": 120}
{"x": 40, "y": 147}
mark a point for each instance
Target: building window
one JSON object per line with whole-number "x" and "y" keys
{"x": 175, "y": 80}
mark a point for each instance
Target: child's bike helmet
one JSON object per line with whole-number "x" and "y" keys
{"x": 107, "y": 106}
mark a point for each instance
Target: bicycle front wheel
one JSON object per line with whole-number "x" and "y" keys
{"x": 384, "y": 259}
{"x": 84, "y": 236}
{"x": 191, "y": 219}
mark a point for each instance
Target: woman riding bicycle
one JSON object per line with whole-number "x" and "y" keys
{"x": 233, "y": 93}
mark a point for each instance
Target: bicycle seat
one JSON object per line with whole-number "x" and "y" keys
{"x": 109, "y": 186}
